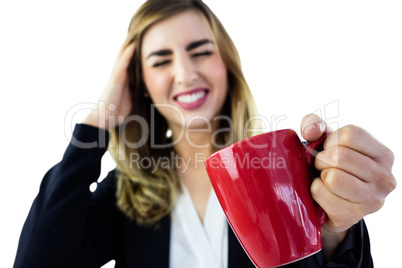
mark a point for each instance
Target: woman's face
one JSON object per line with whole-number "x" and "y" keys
{"x": 183, "y": 71}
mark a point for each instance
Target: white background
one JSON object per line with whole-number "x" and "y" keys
{"x": 298, "y": 57}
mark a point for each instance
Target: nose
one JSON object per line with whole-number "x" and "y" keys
{"x": 185, "y": 71}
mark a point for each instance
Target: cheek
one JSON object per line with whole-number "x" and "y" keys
{"x": 217, "y": 72}
{"x": 155, "y": 83}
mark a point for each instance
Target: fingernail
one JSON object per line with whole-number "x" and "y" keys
{"x": 316, "y": 125}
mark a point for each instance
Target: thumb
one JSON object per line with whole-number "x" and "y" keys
{"x": 312, "y": 127}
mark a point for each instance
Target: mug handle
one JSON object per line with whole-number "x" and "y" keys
{"x": 311, "y": 149}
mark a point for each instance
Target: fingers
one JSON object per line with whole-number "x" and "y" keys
{"x": 355, "y": 151}
{"x": 356, "y": 176}
{"x": 345, "y": 185}
{"x": 125, "y": 57}
{"x": 119, "y": 74}
{"x": 312, "y": 127}
{"x": 127, "y": 53}
{"x": 350, "y": 161}
{"x": 360, "y": 140}
{"x": 341, "y": 212}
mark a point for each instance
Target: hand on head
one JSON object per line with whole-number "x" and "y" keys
{"x": 115, "y": 100}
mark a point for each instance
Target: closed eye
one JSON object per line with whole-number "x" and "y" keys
{"x": 161, "y": 63}
{"x": 200, "y": 54}
{"x": 205, "y": 53}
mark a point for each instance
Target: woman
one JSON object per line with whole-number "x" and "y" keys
{"x": 175, "y": 84}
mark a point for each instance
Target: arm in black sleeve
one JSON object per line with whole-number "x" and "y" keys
{"x": 354, "y": 252}
{"x": 65, "y": 217}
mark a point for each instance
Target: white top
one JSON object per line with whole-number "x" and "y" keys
{"x": 194, "y": 244}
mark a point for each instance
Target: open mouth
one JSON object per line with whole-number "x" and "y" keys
{"x": 189, "y": 98}
{"x": 192, "y": 99}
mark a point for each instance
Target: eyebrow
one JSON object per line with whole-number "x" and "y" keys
{"x": 196, "y": 44}
{"x": 191, "y": 46}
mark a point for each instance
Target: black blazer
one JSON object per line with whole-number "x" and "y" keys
{"x": 68, "y": 226}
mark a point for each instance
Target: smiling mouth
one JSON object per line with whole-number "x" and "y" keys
{"x": 189, "y": 98}
{"x": 192, "y": 99}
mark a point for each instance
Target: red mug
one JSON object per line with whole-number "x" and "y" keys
{"x": 263, "y": 185}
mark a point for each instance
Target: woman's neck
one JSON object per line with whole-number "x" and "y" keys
{"x": 192, "y": 147}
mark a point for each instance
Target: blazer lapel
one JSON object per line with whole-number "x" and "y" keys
{"x": 147, "y": 246}
{"x": 237, "y": 255}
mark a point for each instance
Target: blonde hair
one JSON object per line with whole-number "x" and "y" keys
{"x": 147, "y": 194}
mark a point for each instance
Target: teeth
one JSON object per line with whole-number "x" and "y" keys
{"x": 189, "y": 98}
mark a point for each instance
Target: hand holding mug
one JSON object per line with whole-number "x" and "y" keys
{"x": 356, "y": 176}
{"x": 263, "y": 185}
